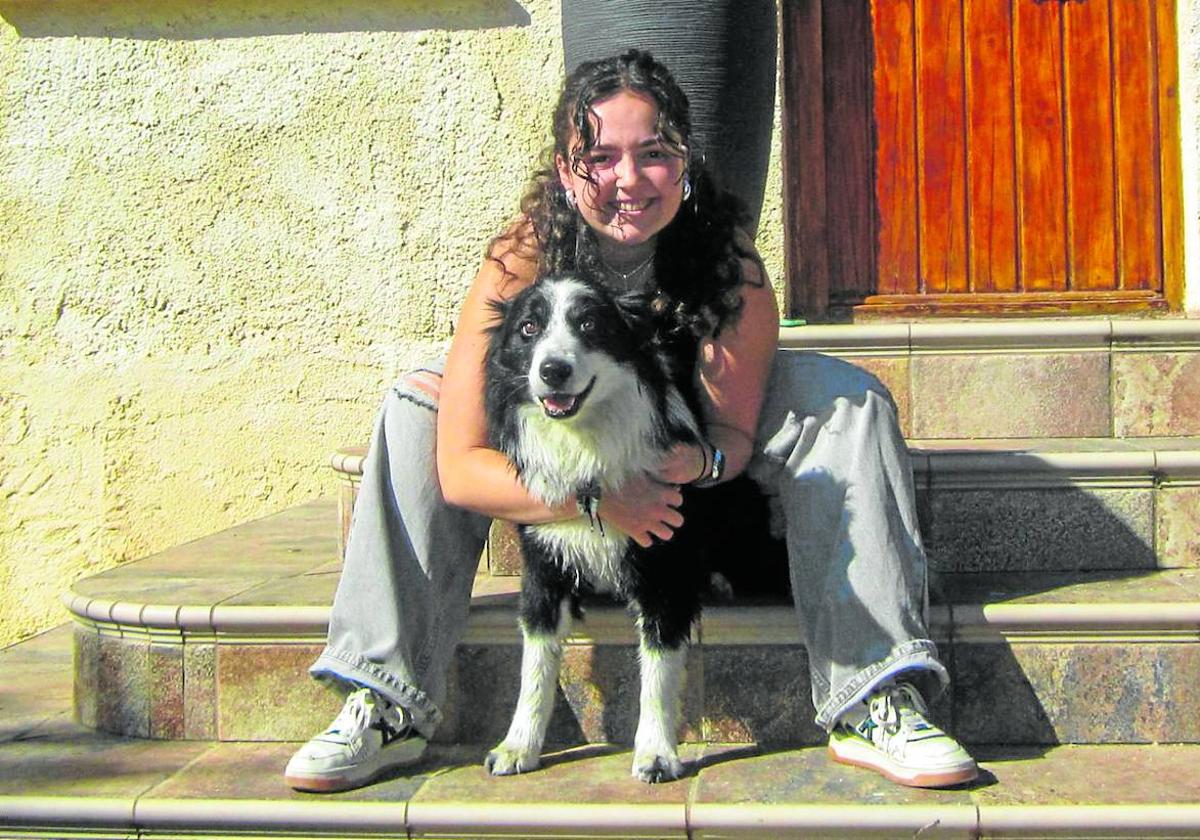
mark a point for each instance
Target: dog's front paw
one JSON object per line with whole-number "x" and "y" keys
{"x": 652, "y": 768}
{"x": 508, "y": 761}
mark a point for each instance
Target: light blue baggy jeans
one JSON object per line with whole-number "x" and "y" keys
{"x": 828, "y": 451}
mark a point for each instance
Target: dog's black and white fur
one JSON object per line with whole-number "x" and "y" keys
{"x": 577, "y": 396}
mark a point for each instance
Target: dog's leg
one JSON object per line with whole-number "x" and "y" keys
{"x": 541, "y": 656}
{"x": 655, "y": 758}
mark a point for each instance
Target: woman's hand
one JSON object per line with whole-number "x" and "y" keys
{"x": 683, "y": 464}
{"x": 645, "y": 509}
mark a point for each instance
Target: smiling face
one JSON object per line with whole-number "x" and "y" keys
{"x": 628, "y": 185}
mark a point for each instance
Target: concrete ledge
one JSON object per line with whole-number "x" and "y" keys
{"x": 977, "y": 336}
{"x": 546, "y": 819}
{"x": 339, "y": 817}
{"x": 59, "y": 812}
{"x": 883, "y": 820}
{"x": 269, "y": 817}
{"x": 1096, "y": 821}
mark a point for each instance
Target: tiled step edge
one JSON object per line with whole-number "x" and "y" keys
{"x": 976, "y": 336}
{"x": 1028, "y": 462}
{"x": 495, "y": 621}
{"x": 1166, "y": 473}
{"x": 50, "y": 816}
{"x": 959, "y": 460}
{"x": 1038, "y": 505}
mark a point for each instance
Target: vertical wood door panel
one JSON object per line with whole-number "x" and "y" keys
{"x": 849, "y": 185}
{"x": 1136, "y": 141}
{"x": 1041, "y": 188}
{"x": 991, "y": 147}
{"x": 895, "y": 148}
{"x": 1091, "y": 188}
{"x": 941, "y": 152}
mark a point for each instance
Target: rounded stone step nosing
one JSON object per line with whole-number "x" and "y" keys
{"x": 1108, "y": 821}
{"x": 718, "y": 625}
{"x": 1097, "y": 461}
{"x": 1048, "y": 335}
{"x": 258, "y": 815}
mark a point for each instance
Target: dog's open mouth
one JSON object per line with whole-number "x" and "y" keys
{"x": 561, "y": 406}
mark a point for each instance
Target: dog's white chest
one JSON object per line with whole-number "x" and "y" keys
{"x": 597, "y": 558}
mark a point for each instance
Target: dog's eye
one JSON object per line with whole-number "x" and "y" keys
{"x": 530, "y": 328}
{"x": 586, "y": 325}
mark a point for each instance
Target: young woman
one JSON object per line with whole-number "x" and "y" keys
{"x": 623, "y": 197}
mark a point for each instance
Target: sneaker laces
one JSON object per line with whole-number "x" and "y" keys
{"x": 895, "y": 719}
{"x": 898, "y": 707}
{"x": 363, "y": 710}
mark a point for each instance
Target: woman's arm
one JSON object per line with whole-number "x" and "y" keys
{"x": 731, "y": 381}
{"x": 475, "y": 476}
{"x": 472, "y": 474}
{"x": 734, "y": 369}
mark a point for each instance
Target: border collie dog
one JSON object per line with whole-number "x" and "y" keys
{"x": 581, "y": 401}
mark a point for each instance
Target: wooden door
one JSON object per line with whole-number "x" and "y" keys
{"x": 981, "y": 156}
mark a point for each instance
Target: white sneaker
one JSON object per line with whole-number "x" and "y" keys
{"x": 369, "y": 736}
{"x": 892, "y": 736}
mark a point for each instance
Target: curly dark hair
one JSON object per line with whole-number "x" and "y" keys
{"x": 698, "y": 260}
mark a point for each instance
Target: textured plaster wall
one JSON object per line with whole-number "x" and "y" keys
{"x": 226, "y": 226}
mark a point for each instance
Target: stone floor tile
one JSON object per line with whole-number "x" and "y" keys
{"x": 165, "y": 590}
{"x": 200, "y": 692}
{"x": 597, "y": 699}
{"x": 893, "y": 372}
{"x": 123, "y": 686}
{"x": 255, "y": 771}
{"x": 803, "y": 775}
{"x": 1077, "y": 692}
{"x": 166, "y": 671}
{"x": 758, "y": 694}
{"x": 1010, "y": 395}
{"x": 1118, "y": 586}
{"x": 294, "y": 590}
{"x": 496, "y": 670}
{"x": 1178, "y": 526}
{"x": 292, "y": 541}
{"x": 265, "y": 693}
{"x": 1156, "y": 393}
{"x": 65, "y": 759}
{"x": 804, "y": 793}
{"x": 454, "y": 801}
{"x": 1112, "y": 774}
{"x": 36, "y": 681}
{"x": 603, "y": 770}
{"x": 1040, "y": 529}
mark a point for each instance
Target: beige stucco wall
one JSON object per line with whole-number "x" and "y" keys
{"x": 225, "y": 227}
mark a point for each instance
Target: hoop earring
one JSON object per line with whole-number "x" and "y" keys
{"x": 570, "y": 197}
{"x": 687, "y": 187}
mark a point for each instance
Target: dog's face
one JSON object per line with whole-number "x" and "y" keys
{"x": 568, "y": 346}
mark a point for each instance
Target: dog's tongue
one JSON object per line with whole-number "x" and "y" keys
{"x": 559, "y": 403}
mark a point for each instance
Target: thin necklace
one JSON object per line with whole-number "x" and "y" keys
{"x": 633, "y": 273}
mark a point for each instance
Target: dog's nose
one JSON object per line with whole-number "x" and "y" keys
{"x": 555, "y": 372}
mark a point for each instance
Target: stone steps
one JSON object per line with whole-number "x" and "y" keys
{"x": 1033, "y": 378}
{"x": 1058, "y": 473}
{"x": 59, "y": 780}
{"x": 1066, "y": 504}
{"x": 211, "y": 640}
